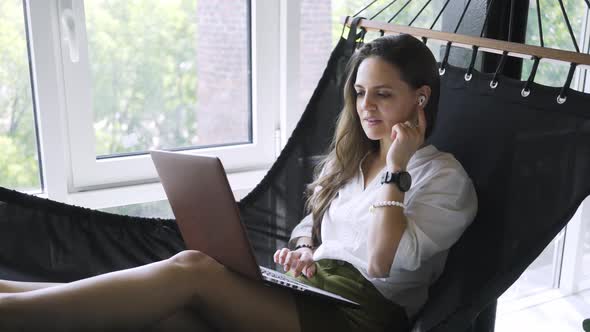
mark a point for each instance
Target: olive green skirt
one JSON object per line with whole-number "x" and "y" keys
{"x": 375, "y": 314}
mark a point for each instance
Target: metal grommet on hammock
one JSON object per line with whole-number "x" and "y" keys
{"x": 494, "y": 82}
{"x": 443, "y": 64}
{"x": 562, "y": 97}
{"x": 526, "y": 91}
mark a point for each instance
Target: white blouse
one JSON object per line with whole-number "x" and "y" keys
{"x": 440, "y": 204}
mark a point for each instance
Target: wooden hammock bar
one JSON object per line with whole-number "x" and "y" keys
{"x": 484, "y": 44}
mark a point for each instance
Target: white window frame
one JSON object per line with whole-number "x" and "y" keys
{"x": 64, "y": 90}
{"x": 290, "y": 34}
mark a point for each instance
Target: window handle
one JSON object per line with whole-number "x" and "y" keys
{"x": 69, "y": 30}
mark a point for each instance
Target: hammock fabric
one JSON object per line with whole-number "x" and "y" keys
{"x": 529, "y": 159}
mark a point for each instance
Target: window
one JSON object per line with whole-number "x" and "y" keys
{"x": 19, "y": 161}
{"x": 118, "y": 78}
{"x": 158, "y": 74}
{"x": 162, "y": 79}
{"x": 555, "y": 35}
{"x": 540, "y": 276}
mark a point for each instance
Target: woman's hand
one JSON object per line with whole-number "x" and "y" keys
{"x": 298, "y": 261}
{"x": 407, "y": 139}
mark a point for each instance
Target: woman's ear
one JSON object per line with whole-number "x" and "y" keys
{"x": 423, "y": 94}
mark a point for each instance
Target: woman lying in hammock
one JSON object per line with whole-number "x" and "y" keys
{"x": 385, "y": 209}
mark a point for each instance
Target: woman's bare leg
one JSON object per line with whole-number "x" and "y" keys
{"x": 7, "y": 286}
{"x": 234, "y": 303}
{"x": 144, "y": 296}
{"x": 182, "y": 320}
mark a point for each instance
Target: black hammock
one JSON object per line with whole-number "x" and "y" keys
{"x": 529, "y": 159}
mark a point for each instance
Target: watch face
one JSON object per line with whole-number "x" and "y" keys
{"x": 405, "y": 181}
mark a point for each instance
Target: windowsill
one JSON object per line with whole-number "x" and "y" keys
{"x": 564, "y": 314}
{"x": 509, "y": 306}
{"x": 240, "y": 182}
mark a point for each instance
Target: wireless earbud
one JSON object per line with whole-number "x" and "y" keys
{"x": 421, "y": 100}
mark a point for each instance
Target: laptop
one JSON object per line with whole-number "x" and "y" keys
{"x": 209, "y": 219}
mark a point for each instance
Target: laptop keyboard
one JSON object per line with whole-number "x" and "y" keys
{"x": 285, "y": 280}
{"x": 281, "y": 277}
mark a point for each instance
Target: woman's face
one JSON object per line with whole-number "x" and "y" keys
{"x": 382, "y": 98}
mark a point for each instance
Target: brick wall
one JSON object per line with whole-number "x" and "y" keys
{"x": 222, "y": 72}
{"x": 316, "y": 45}
{"x": 222, "y": 65}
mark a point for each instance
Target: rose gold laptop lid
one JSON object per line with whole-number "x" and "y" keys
{"x": 205, "y": 209}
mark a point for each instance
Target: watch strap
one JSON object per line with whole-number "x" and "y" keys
{"x": 393, "y": 177}
{"x": 389, "y": 177}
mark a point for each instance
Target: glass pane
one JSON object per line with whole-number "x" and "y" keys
{"x": 555, "y": 35}
{"x": 315, "y": 45}
{"x": 19, "y": 162}
{"x": 405, "y": 14}
{"x": 169, "y": 74}
{"x": 157, "y": 209}
{"x": 538, "y": 276}
{"x": 321, "y": 28}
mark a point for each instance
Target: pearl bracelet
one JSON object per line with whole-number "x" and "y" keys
{"x": 303, "y": 246}
{"x": 386, "y": 203}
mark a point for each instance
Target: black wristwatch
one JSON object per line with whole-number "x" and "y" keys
{"x": 402, "y": 179}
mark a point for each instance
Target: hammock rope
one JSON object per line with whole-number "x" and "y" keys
{"x": 439, "y": 14}
{"x": 540, "y": 24}
{"x": 475, "y": 48}
{"x": 562, "y": 97}
{"x": 494, "y": 81}
{"x": 399, "y": 11}
{"x": 526, "y": 91}
{"x": 500, "y": 67}
{"x": 569, "y": 26}
{"x": 449, "y": 43}
{"x": 362, "y": 10}
{"x": 487, "y": 18}
{"x": 420, "y": 12}
{"x": 383, "y": 9}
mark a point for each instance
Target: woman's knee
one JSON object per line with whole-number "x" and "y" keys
{"x": 193, "y": 260}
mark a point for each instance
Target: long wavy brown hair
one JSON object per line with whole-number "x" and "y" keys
{"x": 417, "y": 67}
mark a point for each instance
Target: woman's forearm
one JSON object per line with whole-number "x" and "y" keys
{"x": 385, "y": 232}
